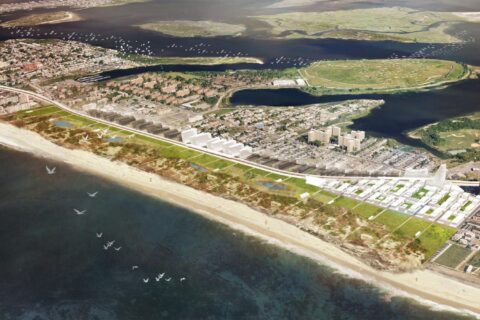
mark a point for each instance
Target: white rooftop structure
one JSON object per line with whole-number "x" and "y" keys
{"x": 188, "y": 134}
{"x": 201, "y": 139}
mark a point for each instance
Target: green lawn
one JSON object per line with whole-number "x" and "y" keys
{"x": 435, "y": 237}
{"x": 397, "y": 187}
{"x": 37, "y": 111}
{"x": 453, "y": 256}
{"x": 412, "y": 226}
{"x": 466, "y": 205}
{"x": 443, "y": 199}
{"x": 366, "y": 210}
{"x": 301, "y": 185}
{"x": 420, "y": 193}
{"x": 324, "y": 196}
{"x": 391, "y": 219}
{"x": 346, "y": 202}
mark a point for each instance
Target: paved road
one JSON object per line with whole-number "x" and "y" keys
{"x": 206, "y": 151}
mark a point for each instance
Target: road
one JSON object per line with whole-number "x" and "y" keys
{"x": 216, "y": 154}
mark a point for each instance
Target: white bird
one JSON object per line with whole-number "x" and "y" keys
{"x": 182, "y": 279}
{"x": 85, "y": 138}
{"x": 50, "y": 171}
{"x": 105, "y": 247}
{"x": 145, "y": 280}
{"x": 92, "y": 195}
{"x": 168, "y": 280}
{"x": 134, "y": 267}
{"x": 157, "y": 278}
{"x": 99, "y": 235}
{"x": 118, "y": 248}
{"x": 100, "y": 135}
{"x": 80, "y": 212}
{"x": 110, "y": 243}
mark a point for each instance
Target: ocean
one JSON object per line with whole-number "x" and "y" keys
{"x": 54, "y": 265}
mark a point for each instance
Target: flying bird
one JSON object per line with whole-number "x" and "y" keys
{"x": 50, "y": 171}
{"x": 99, "y": 235}
{"x": 134, "y": 267}
{"x": 145, "y": 280}
{"x": 80, "y": 212}
{"x": 92, "y": 195}
{"x": 118, "y": 248}
{"x": 182, "y": 279}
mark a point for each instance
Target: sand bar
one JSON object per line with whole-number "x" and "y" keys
{"x": 423, "y": 285}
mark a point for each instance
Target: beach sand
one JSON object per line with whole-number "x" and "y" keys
{"x": 424, "y": 286}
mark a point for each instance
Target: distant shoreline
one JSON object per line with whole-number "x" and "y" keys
{"x": 425, "y": 285}
{"x": 43, "y": 19}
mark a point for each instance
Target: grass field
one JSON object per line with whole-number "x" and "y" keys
{"x": 395, "y": 23}
{"x": 346, "y": 203}
{"x": 378, "y": 75}
{"x": 412, "y": 226}
{"x": 366, "y": 210}
{"x": 391, "y": 219}
{"x": 190, "y": 28}
{"x": 453, "y": 256}
{"x": 435, "y": 237}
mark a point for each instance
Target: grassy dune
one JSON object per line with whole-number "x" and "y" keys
{"x": 382, "y": 75}
{"x": 396, "y": 24}
{"x": 188, "y": 28}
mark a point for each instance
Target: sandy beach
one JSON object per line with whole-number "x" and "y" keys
{"x": 423, "y": 285}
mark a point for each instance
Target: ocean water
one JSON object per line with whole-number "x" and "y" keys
{"x": 53, "y": 265}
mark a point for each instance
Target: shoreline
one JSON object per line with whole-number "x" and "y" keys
{"x": 431, "y": 288}
{"x": 23, "y": 22}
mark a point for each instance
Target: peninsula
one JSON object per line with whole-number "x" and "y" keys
{"x": 43, "y": 18}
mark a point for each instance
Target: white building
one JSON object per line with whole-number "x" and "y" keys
{"x": 201, "y": 139}
{"x": 188, "y": 134}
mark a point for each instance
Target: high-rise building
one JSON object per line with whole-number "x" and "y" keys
{"x": 359, "y": 135}
{"x": 313, "y": 135}
{"x": 336, "y": 131}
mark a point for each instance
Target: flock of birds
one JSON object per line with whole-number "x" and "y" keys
{"x": 110, "y": 244}
{"x": 101, "y": 134}
{"x": 439, "y": 50}
{"x": 203, "y": 48}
